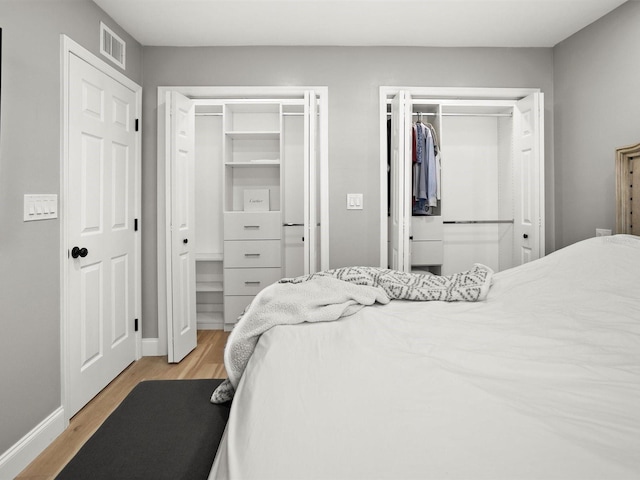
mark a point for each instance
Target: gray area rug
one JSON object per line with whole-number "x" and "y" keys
{"x": 164, "y": 429}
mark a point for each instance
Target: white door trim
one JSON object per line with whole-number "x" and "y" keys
{"x": 447, "y": 93}
{"x": 69, "y": 47}
{"x": 164, "y": 185}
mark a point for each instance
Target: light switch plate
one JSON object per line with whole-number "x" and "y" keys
{"x": 40, "y": 207}
{"x": 354, "y": 201}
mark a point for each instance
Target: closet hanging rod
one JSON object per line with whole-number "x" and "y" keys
{"x": 415, "y": 114}
{"x": 463, "y": 114}
{"x": 476, "y": 114}
{"x": 214, "y": 114}
{"x": 449, "y": 222}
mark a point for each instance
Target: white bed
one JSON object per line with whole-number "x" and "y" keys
{"x": 539, "y": 381}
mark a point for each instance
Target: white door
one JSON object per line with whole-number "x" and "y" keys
{"x": 312, "y": 226}
{"x": 301, "y": 192}
{"x": 101, "y": 207}
{"x": 399, "y": 255}
{"x": 293, "y": 192}
{"x": 527, "y": 170}
{"x": 182, "y": 329}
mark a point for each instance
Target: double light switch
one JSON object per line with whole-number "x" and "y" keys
{"x": 354, "y": 201}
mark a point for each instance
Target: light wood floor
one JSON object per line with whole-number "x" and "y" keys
{"x": 206, "y": 361}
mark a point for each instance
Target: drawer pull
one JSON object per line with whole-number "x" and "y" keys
{"x": 252, "y": 283}
{"x": 252, "y": 227}
{"x": 252, "y": 255}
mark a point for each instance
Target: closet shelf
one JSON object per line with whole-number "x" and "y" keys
{"x": 262, "y": 163}
{"x": 208, "y": 286}
{"x": 253, "y": 135}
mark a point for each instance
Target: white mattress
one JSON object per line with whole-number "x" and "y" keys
{"x": 540, "y": 381}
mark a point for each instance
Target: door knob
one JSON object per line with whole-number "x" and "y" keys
{"x": 186, "y": 240}
{"x": 525, "y": 236}
{"x": 79, "y": 252}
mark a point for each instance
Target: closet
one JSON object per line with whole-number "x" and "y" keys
{"x": 490, "y": 178}
{"x": 245, "y": 200}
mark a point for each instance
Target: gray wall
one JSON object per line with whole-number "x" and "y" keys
{"x": 30, "y": 387}
{"x": 353, "y": 76}
{"x": 597, "y": 100}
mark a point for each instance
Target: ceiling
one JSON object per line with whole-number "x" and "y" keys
{"x": 438, "y": 23}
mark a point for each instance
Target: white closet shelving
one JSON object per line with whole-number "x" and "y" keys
{"x": 252, "y": 192}
{"x": 491, "y": 209}
{"x": 208, "y": 216}
{"x": 216, "y": 146}
{"x": 260, "y": 196}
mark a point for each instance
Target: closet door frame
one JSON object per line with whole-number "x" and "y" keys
{"x": 386, "y": 93}
{"x": 159, "y": 346}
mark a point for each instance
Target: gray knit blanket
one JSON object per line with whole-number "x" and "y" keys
{"x": 469, "y": 286}
{"x": 333, "y": 294}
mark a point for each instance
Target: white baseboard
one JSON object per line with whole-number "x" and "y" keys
{"x": 20, "y": 455}
{"x": 210, "y": 325}
{"x": 151, "y": 348}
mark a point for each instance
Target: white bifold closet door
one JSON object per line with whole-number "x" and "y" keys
{"x": 400, "y": 186}
{"x": 528, "y": 127}
{"x": 301, "y": 190}
{"x": 182, "y": 327}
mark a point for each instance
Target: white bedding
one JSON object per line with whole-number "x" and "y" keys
{"x": 539, "y": 381}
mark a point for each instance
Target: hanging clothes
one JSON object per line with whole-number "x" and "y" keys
{"x": 432, "y": 168}
{"x": 436, "y": 147}
{"x": 426, "y": 164}
{"x": 424, "y": 154}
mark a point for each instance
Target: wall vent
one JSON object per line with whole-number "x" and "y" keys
{"x": 112, "y": 46}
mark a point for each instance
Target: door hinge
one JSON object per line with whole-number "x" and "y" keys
{"x": 135, "y": 224}
{"x": 137, "y": 124}
{"x": 135, "y": 325}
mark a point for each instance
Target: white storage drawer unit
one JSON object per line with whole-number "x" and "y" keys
{"x": 249, "y": 281}
{"x": 426, "y": 228}
{"x": 426, "y": 246}
{"x": 252, "y": 258}
{"x": 427, "y": 252}
{"x": 252, "y": 226}
{"x": 252, "y": 253}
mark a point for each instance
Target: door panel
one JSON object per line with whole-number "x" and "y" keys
{"x": 120, "y": 298}
{"x": 90, "y": 179}
{"x": 311, "y": 183}
{"x": 182, "y": 334}
{"x": 121, "y": 159}
{"x": 91, "y": 316}
{"x": 528, "y": 158}
{"x": 302, "y": 204}
{"x": 399, "y": 256}
{"x": 293, "y": 205}
{"x": 101, "y": 180}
